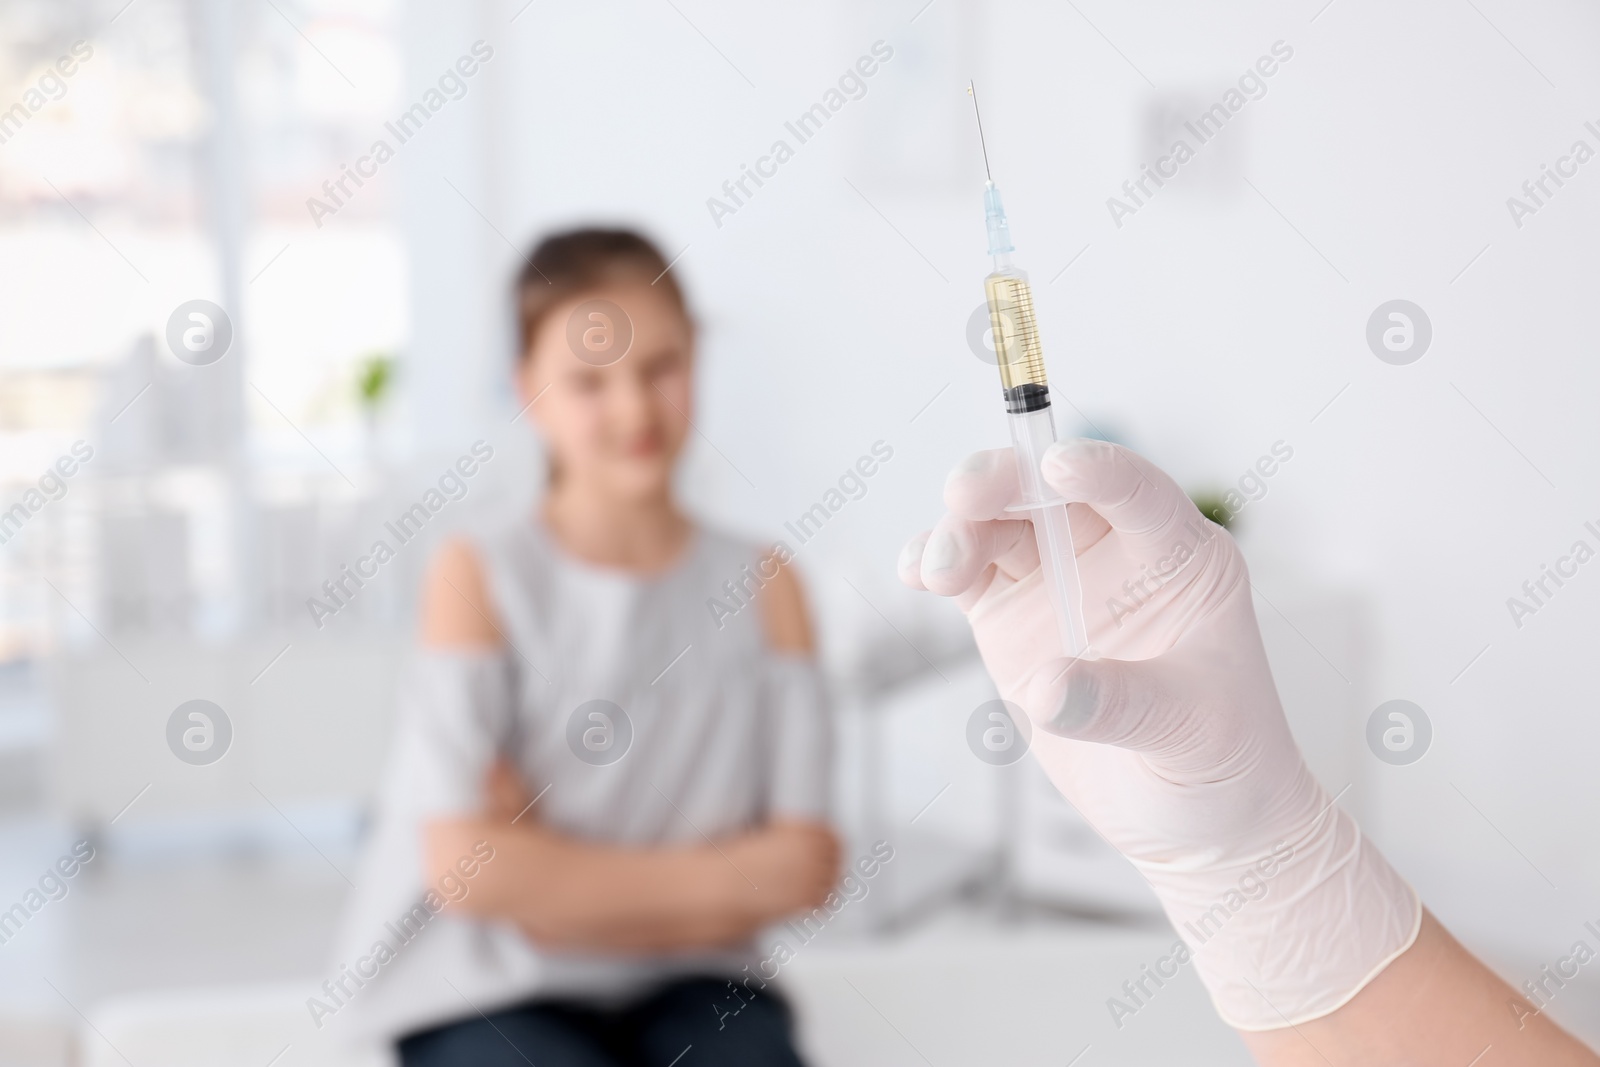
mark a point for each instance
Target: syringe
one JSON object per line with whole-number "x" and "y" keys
{"x": 1027, "y": 396}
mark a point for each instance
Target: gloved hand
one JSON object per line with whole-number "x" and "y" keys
{"x": 1172, "y": 743}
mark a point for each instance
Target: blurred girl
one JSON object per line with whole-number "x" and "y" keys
{"x": 606, "y": 790}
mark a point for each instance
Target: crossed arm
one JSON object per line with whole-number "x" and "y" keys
{"x": 566, "y": 893}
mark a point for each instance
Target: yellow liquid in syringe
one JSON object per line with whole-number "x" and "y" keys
{"x": 1016, "y": 341}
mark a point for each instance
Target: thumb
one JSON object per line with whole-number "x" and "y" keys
{"x": 1127, "y": 703}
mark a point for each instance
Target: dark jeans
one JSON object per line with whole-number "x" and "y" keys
{"x": 694, "y": 1022}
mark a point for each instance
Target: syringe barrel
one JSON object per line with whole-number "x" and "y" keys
{"x": 1032, "y": 433}
{"x": 1016, "y": 340}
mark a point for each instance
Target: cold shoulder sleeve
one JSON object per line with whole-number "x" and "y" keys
{"x": 800, "y": 736}
{"x": 454, "y": 715}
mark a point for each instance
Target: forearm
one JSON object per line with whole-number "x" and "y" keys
{"x": 1435, "y": 1004}
{"x": 567, "y": 893}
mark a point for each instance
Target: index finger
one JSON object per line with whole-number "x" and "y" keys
{"x": 1138, "y": 499}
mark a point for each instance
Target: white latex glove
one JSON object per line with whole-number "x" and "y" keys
{"x": 1173, "y": 743}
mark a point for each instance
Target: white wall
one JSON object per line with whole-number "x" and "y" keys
{"x": 1203, "y": 330}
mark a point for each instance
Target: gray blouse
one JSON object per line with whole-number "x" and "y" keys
{"x": 640, "y": 710}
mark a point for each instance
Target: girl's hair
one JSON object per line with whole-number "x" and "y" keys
{"x": 574, "y": 261}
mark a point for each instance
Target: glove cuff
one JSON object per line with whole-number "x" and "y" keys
{"x": 1298, "y": 933}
